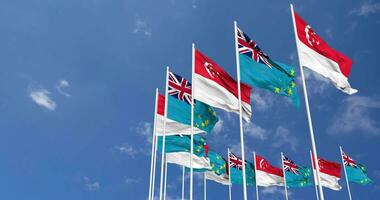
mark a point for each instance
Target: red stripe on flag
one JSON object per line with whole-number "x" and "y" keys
{"x": 263, "y": 165}
{"x": 329, "y": 167}
{"x": 161, "y": 104}
{"x": 308, "y": 37}
{"x": 207, "y": 68}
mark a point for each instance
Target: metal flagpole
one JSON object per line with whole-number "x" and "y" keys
{"x": 229, "y": 176}
{"x": 204, "y": 186}
{"x": 166, "y": 175}
{"x": 283, "y": 171}
{"x": 240, "y": 113}
{"x": 345, "y": 173}
{"x": 315, "y": 178}
{"x": 192, "y": 121}
{"x": 257, "y": 187}
{"x": 155, "y": 152}
{"x": 163, "y": 137}
{"x": 183, "y": 182}
{"x": 151, "y": 185}
{"x": 315, "y": 155}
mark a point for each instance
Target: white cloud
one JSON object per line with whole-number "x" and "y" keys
{"x": 41, "y": 97}
{"x": 218, "y": 127}
{"x": 130, "y": 180}
{"x": 366, "y": 8}
{"x": 142, "y": 28}
{"x": 62, "y": 84}
{"x": 91, "y": 185}
{"x": 127, "y": 149}
{"x": 315, "y": 83}
{"x": 355, "y": 115}
{"x": 278, "y": 191}
{"x": 283, "y": 137}
{"x": 145, "y": 129}
{"x": 262, "y": 100}
{"x": 255, "y": 131}
{"x": 194, "y": 4}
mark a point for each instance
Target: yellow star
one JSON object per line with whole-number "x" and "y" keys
{"x": 290, "y": 92}
{"x": 292, "y": 72}
{"x": 277, "y": 90}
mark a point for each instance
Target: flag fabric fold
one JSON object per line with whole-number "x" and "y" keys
{"x": 266, "y": 174}
{"x": 217, "y": 88}
{"x": 236, "y": 170}
{"x": 315, "y": 54}
{"x": 296, "y": 176}
{"x": 330, "y": 174}
{"x": 356, "y": 173}
{"x": 258, "y": 70}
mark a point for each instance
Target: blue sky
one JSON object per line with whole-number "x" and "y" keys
{"x": 78, "y": 78}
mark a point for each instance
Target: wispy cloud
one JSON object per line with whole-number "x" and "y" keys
{"x": 274, "y": 191}
{"x": 262, "y": 100}
{"x": 145, "y": 129}
{"x": 91, "y": 185}
{"x": 41, "y": 97}
{"x": 141, "y": 27}
{"x": 256, "y": 131}
{"x": 130, "y": 180}
{"x": 316, "y": 84}
{"x": 283, "y": 137}
{"x": 366, "y": 8}
{"x": 62, "y": 85}
{"x": 194, "y": 4}
{"x": 127, "y": 149}
{"x": 218, "y": 126}
{"x": 355, "y": 114}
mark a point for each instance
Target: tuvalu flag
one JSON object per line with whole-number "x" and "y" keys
{"x": 266, "y": 174}
{"x": 355, "y": 172}
{"x": 330, "y": 174}
{"x": 296, "y": 176}
{"x": 258, "y": 70}
{"x": 315, "y": 54}
{"x": 177, "y": 149}
{"x": 235, "y": 170}
{"x": 217, "y": 88}
{"x": 179, "y": 110}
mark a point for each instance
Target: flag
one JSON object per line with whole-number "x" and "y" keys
{"x": 355, "y": 172}
{"x": 236, "y": 170}
{"x": 318, "y": 56}
{"x": 258, "y": 70}
{"x": 296, "y": 176}
{"x": 179, "y": 110}
{"x": 217, "y": 88}
{"x": 218, "y": 172}
{"x": 329, "y": 174}
{"x": 177, "y": 149}
{"x": 173, "y": 126}
{"x": 266, "y": 174}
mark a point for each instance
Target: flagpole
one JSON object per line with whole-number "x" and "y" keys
{"x": 166, "y": 175}
{"x": 240, "y": 113}
{"x": 153, "y": 145}
{"x": 183, "y": 182}
{"x": 192, "y": 120}
{"x": 204, "y": 186}
{"x": 229, "y": 176}
{"x": 283, "y": 171}
{"x": 163, "y": 137}
{"x": 314, "y": 178}
{"x": 257, "y": 188}
{"x": 315, "y": 155}
{"x": 345, "y": 172}
{"x": 155, "y": 150}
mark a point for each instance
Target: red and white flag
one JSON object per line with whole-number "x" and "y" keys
{"x": 329, "y": 174}
{"x": 172, "y": 127}
{"x": 217, "y": 88}
{"x": 266, "y": 174}
{"x": 315, "y": 54}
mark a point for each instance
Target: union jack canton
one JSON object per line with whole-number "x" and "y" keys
{"x": 249, "y": 48}
{"x": 179, "y": 88}
{"x": 235, "y": 161}
{"x": 290, "y": 166}
{"x": 348, "y": 161}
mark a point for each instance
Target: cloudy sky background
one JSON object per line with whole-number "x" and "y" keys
{"x": 77, "y": 86}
